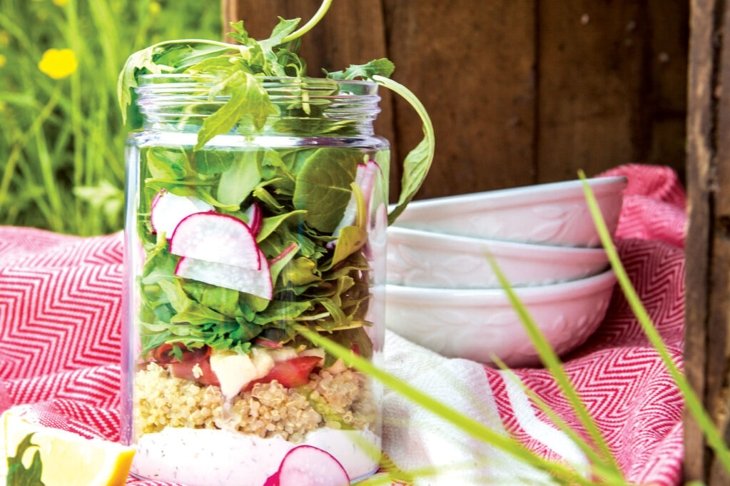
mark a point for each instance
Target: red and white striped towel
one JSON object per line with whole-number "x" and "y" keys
{"x": 60, "y": 347}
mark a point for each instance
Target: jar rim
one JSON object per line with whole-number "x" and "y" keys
{"x": 198, "y": 79}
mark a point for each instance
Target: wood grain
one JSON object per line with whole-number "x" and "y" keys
{"x": 520, "y": 91}
{"x": 704, "y": 337}
{"x": 472, "y": 64}
{"x": 590, "y": 87}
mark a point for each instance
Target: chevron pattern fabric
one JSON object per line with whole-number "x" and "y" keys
{"x": 60, "y": 337}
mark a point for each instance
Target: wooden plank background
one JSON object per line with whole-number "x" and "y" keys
{"x": 707, "y": 349}
{"x": 520, "y": 91}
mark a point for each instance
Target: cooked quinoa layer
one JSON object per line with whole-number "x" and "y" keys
{"x": 335, "y": 400}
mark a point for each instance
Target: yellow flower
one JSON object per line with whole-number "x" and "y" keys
{"x": 60, "y": 3}
{"x": 154, "y": 8}
{"x": 58, "y": 63}
{"x": 3, "y": 60}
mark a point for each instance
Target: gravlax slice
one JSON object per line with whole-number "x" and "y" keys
{"x": 251, "y": 281}
{"x": 217, "y": 238}
{"x": 169, "y": 209}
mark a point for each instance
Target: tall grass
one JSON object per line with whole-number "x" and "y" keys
{"x": 62, "y": 141}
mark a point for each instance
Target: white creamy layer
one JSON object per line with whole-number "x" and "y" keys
{"x": 201, "y": 457}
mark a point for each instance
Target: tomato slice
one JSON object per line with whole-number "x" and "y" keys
{"x": 291, "y": 373}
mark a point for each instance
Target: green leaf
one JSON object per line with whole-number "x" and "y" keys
{"x": 166, "y": 163}
{"x": 18, "y": 474}
{"x": 271, "y": 224}
{"x": 377, "y": 67}
{"x": 220, "y": 299}
{"x": 240, "y": 179}
{"x": 301, "y": 271}
{"x": 351, "y": 239}
{"x": 323, "y": 186}
{"x": 247, "y": 98}
{"x": 418, "y": 161}
{"x": 282, "y": 29}
{"x": 282, "y": 260}
{"x": 211, "y": 162}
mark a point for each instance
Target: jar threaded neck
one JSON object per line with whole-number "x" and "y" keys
{"x": 305, "y": 106}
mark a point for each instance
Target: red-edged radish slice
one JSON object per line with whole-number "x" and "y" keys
{"x": 255, "y": 218}
{"x": 169, "y": 209}
{"x": 216, "y": 238}
{"x": 365, "y": 179}
{"x": 251, "y": 281}
{"x": 307, "y": 465}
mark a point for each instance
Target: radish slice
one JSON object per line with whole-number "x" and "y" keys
{"x": 251, "y": 281}
{"x": 255, "y": 218}
{"x": 365, "y": 179}
{"x": 307, "y": 465}
{"x": 216, "y": 238}
{"x": 169, "y": 209}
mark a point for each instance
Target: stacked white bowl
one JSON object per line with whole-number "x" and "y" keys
{"x": 443, "y": 294}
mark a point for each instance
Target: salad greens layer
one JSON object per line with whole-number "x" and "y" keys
{"x": 319, "y": 279}
{"x": 309, "y": 206}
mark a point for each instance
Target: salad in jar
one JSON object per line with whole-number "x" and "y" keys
{"x": 256, "y": 214}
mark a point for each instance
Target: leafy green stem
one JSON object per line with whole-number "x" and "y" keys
{"x": 323, "y": 8}
{"x": 692, "y": 401}
{"x": 418, "y": 161}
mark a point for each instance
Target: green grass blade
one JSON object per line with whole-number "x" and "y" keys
{"x": 552, "y": 363}
{"x": 692, "y": 401}
{"x": 605, "y": 472}
{"x": 470, "y": 426}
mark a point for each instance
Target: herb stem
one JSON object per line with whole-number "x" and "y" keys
{"x": 310, "y": 24}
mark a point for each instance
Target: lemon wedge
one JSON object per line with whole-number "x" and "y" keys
{"x": 67, "y": 458}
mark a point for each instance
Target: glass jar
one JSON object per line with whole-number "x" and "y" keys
{"x": 231, "y": 249}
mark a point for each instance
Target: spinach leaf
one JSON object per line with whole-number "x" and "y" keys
{"x": 211, "y": 162}
{"x": 240, "y": 179}
{"x": 323, "y": 186}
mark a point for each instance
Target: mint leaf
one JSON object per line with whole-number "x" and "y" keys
{"x": 18, "y": 474}
{"x": 377, "y": 67}
{"x": 418, "y": 161}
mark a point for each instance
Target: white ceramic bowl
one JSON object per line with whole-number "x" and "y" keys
{"x": 479, "y": 324}
{"x": 553, "y": 214}
{"x": 424, "y": 259}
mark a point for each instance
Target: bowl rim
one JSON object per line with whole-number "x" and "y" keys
{"x": 523, "y": 195}
{"x": 551, "y": 293}
{"x": 419, "y": 238}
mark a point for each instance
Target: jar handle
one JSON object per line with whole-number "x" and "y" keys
{"x": 418, "y": 161}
